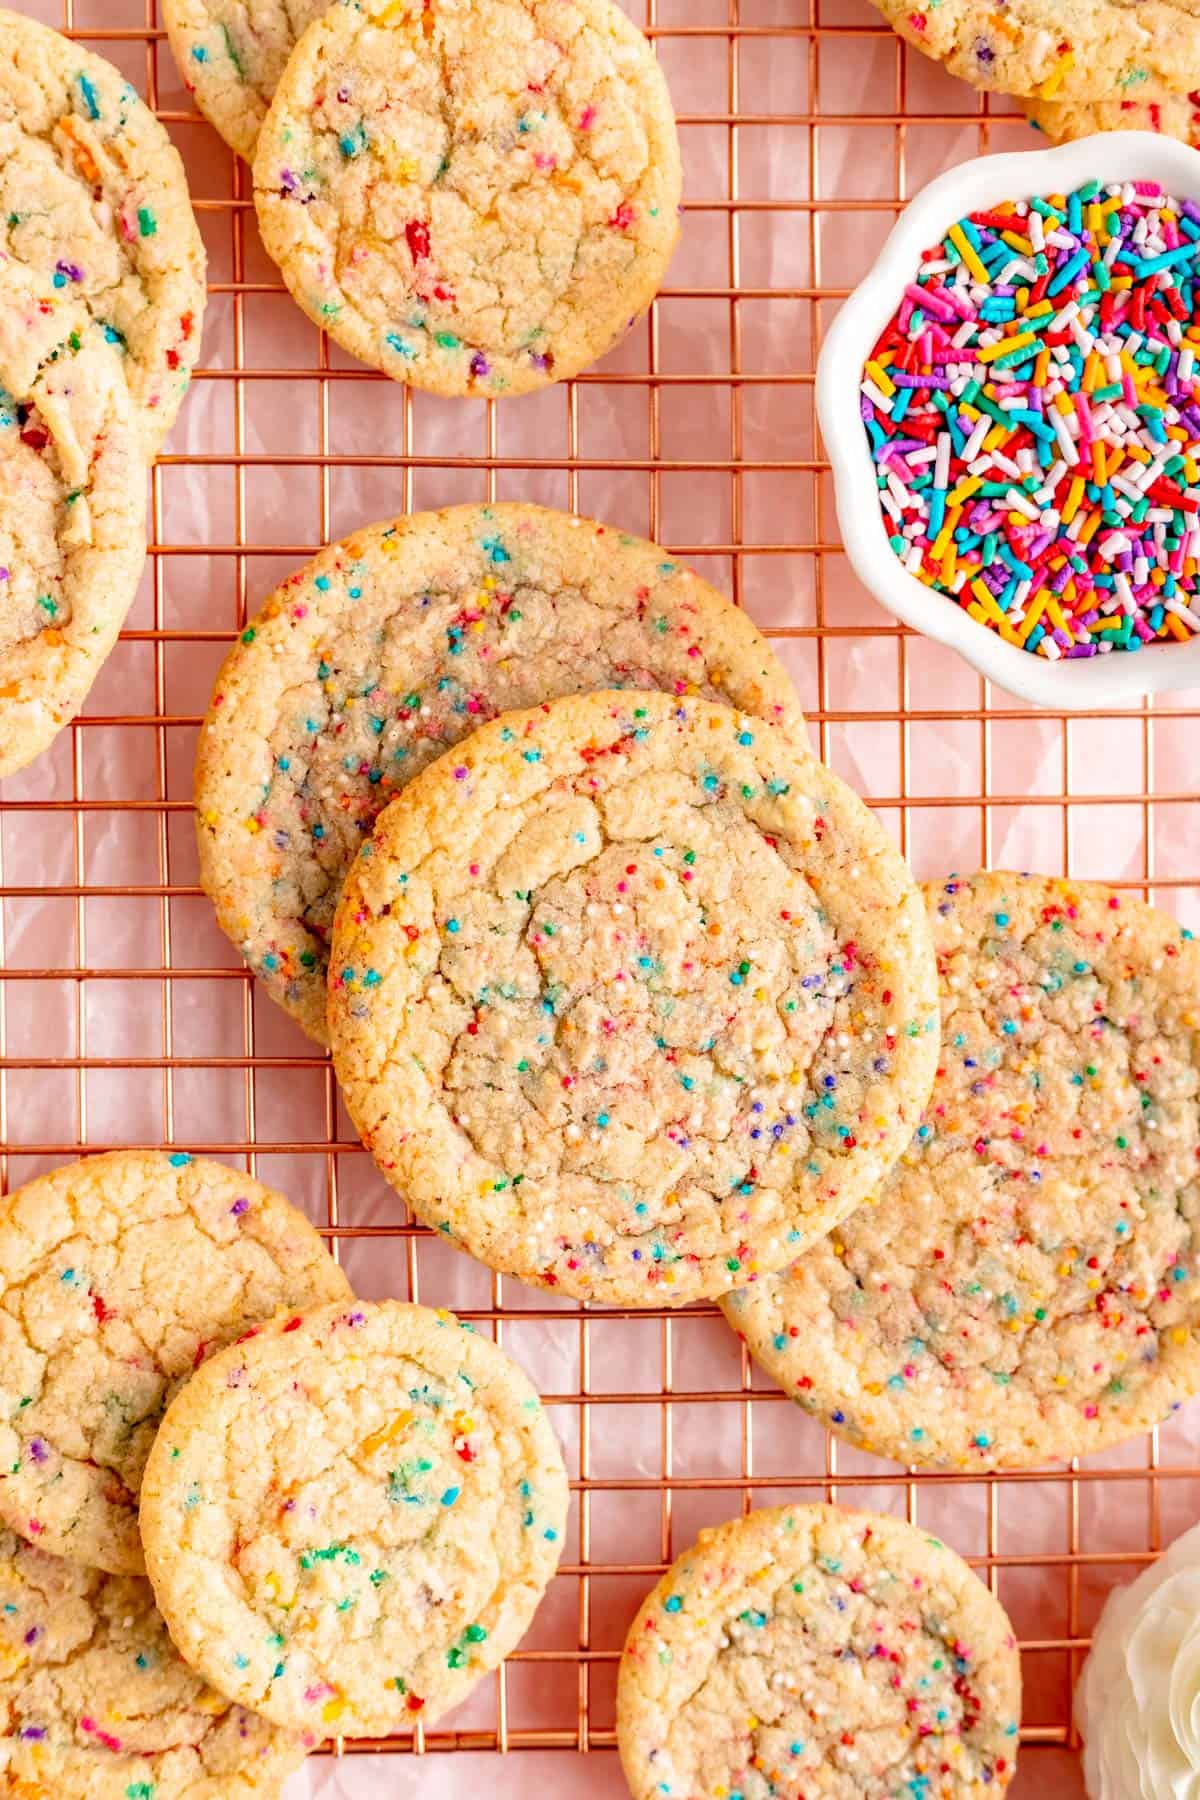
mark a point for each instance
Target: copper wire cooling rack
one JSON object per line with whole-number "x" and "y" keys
{"x": 124, "y": 1020}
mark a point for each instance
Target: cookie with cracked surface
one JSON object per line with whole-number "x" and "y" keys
{"x": 351, "y": 1516}
{"x": 471, "y": 220}
{"x": 72, "y": 512}
{"x": 812, "y": 1649}
{"x": 631, "y": 996}
{"x": 1076, "y": 50}
{"x": 1027, "y": 1285}
{"x": 117, "y": 1275}
{"x": 1173, "y": 115}
{"x": 99, "y": 1705}
{"x": 231, "y": 54}
{"x": 94, "y": 202}
{"x": 391, "y": 647}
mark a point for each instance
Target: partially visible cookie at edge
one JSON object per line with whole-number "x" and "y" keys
{"x": 99, "y": 1705}
{"x": 118, "y": 1275}
{"x": 471, "y": 223}
{"x": 231, "y": 54}
{"x": 72, "y": 511}
{"x": 1171, "y": 115}
{"x": 94, "y": 203}
{"x": 813, "y": 1649}
{"x": 1076, "y": 50}
{"x": 392, "y": 646}
{"x": 1025, "y": 1287}
{"x": 631, "y": 996}
{"x": 351, "y": 1516}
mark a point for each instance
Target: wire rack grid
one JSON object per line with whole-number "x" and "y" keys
{"x": 125, "y": 1020}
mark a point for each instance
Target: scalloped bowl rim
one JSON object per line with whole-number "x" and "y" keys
{"x": 983, "y": 181}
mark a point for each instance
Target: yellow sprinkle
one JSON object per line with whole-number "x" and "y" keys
{"x": 882, "y": 379}
{"x": 965, "y": 489}
{"x": 387, "y": 1434}
{"x": 938, "y": 548}
{"x": 1074, "y": 495}
{"x": 1053, "y": 82}
{"x": 962, "y": 244}
{"x": 991, "y": 351}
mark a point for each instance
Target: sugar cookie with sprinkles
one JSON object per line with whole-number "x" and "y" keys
{"x": 117, "y": 1276}
{"x": 1025, "y": 1288}
{"x": 99, "y": 1705}
{"x": 1171, "y": 115}
{"x": 1061, "y": 50}
{"x": 231, "y": 54}
{"x": 391, "y": 647}
{"x": 478, "y": 197}
{"x": 351, "y": 1516}
{"x": 810, "y": 1650}
{"x": 94, "y": 203}
{"x": 630, "y": 996}
{"x": 72, "y": 511}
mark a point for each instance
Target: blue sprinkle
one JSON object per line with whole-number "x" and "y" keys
{"x": 90, "y": 99}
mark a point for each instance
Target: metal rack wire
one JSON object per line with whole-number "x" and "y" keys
{"x": 158, "y": 1038}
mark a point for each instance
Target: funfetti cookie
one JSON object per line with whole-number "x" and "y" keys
{"x": 477, "y": 197}
{"x": 631, "y": 996}
{"x": 94, "y": 204}
{"x": 117, "y": 1276}
{"x": 1064, "y": 52}
{"x": 99, "y": 1705}
{"x": 1026, "y": 1285}
{"x": 391, "y": 647}
{"x": 351, "y": 1516}
{"x": 1173, "y": 115}
{"x": 231, "y": 54}
{"x": 72, "y": 510}
{"x": 810, "y": 1650}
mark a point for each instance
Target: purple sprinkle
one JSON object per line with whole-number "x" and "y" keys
{"x": 356, "y": 1318}
{"x": 287, "y": 181}
{"x": 38, "y": 1451}
{"x": 239, "y": 1207}
{"x": 32, "y": 1731}
{"x": 460, "y": 774}
{"x": 33, "y": 1634}
{"x": 984, "y": 52}
{"x": 72, "y": 271}
{"x": 479, "y": 364}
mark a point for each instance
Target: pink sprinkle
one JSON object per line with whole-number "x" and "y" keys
{"x": 587, "y": 118}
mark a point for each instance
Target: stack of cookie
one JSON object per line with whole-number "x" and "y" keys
{"x": 470, "y": 220}
{"x": 627, "y": 992}
{"x": 101, "y": 303}
{"x": 348, "y": 1515}
{"x": 1094, "y": 65}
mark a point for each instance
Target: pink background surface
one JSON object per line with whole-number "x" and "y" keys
{"x": 795, "y": 163}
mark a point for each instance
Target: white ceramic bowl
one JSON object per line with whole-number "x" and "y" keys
{"x": 983, "y": 182}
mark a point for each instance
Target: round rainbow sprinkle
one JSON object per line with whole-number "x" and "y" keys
{"x": 1033, "y": 411}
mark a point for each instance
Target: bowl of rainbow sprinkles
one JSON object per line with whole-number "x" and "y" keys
{"x": 1011, "y": 405}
